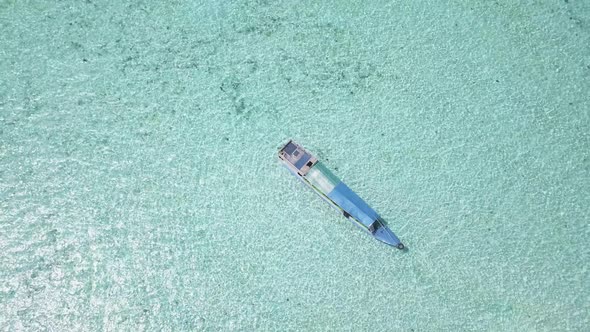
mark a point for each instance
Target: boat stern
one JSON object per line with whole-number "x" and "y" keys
{"x": 296, "y": 158}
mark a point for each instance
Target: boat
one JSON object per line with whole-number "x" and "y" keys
{"x": 307, "y": 168}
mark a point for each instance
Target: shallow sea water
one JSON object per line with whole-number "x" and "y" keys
{"x": 139, "y": 188}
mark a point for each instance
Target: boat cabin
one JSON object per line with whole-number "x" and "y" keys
{"x": 297, "y": 158}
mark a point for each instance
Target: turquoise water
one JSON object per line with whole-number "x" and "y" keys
{"x": 139, "y": 188}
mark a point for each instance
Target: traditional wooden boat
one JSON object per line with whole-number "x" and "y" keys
{"x": 318, "y": 177}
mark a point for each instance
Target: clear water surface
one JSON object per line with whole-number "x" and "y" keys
{"x": 139, "y": 188}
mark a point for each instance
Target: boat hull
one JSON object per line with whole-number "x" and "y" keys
{"x": 336, "y": 193}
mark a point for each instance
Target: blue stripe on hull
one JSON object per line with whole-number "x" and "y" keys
{"x": 353, "y": 204}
